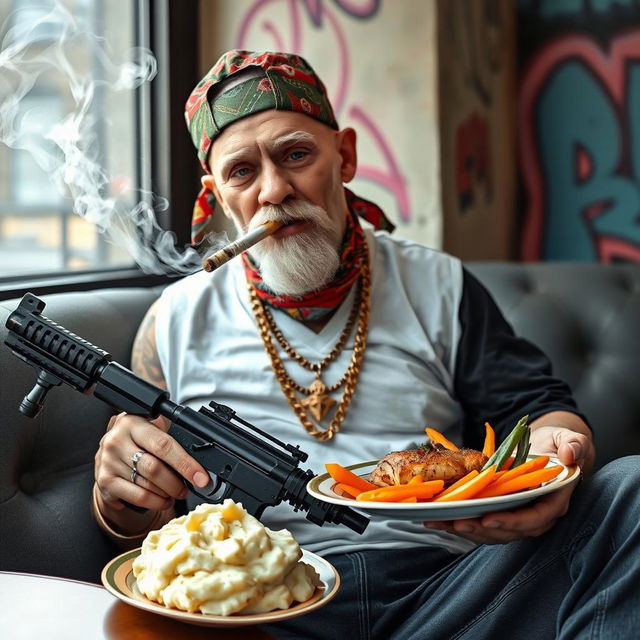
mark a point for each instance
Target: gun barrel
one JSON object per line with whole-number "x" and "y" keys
{"x": 352, "y": 519}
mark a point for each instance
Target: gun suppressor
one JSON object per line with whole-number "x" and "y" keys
{"x": 247, "y": 465}
{"x": 241, "y": 244}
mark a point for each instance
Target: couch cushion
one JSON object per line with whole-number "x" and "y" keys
{"x": 586, "y": 317}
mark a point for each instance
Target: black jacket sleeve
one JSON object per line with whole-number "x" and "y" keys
{"x": 500, "y": 377}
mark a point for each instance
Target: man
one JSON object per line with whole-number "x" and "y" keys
{"x": 350, "y": 342}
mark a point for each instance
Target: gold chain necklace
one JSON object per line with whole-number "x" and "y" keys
{"x": 317, "y": 401}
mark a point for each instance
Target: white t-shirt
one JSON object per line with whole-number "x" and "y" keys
{"x": 210, "y": 349}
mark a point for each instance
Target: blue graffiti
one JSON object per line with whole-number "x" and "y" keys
{"x": 574, "y": 113}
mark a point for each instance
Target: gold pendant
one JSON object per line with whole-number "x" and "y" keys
{"x": 318, "y": 402}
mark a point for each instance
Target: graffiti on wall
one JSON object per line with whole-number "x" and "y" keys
{"x": 473, "y": 159}
{"x": 289, "y": 35}
{"x": 580, "y": 142}
{"x": 476, "y": 33}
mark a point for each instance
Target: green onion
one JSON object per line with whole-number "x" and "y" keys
{"x": 523, "y": 448}
{"x": 504, "y": 451}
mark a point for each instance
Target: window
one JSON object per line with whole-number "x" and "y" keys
{"x": 69, "y": 138}
{"x": 87, "y": 139}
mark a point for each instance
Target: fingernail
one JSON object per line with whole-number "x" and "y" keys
{"x": 493, "y": 524}
{"x": 575, "y": 447}
{"x": 184, "y": 493}
{"x": 200, "y": 479}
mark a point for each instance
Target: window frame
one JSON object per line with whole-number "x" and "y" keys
{"x": 170, "y": 31}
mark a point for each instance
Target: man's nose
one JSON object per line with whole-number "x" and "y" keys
{"x": 275, "y": 185}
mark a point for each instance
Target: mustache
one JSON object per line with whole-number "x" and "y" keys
{"x": 290, "y": 212}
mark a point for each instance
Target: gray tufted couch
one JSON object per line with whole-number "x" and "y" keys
{"x": 585, "y": 316}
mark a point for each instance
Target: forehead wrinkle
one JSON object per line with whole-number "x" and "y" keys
{"x": 274, "y": 146}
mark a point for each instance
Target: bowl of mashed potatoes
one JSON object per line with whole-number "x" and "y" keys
{"x": 220, "y": 565}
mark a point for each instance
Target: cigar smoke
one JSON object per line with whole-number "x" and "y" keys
{"x": 68, "y": 151}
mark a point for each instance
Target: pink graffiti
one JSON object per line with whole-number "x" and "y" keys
{"x": 364, "y": 9}
{"x": 610, "y": 69}
{"x": 391, "y": 179}
{"x": 584, "y": 164}
{"x": 612, "y": 249}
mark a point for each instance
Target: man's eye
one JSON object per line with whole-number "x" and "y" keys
{"x": 298, "y": 155}
{"x": 241, "y": 172}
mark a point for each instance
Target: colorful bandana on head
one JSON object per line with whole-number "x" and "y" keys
{"x": 240, "y": 84}
{"x": 318, "y": 304}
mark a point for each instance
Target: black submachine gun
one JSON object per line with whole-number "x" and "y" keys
{"x": 246, "y": 464}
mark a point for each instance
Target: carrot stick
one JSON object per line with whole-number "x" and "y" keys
{"x": 458, "y": 483}
{"x": 508, "y": 463}
{"x": 534, "y": 464}
{"x": 416, "y": 480}
{"x": 411, "y": 499}
{"x": 437, "y": 438}
{"x": 348, "y": 489}
{"x": 497, "y": 477}
{"x": 526, "y": 481}
{"x": 343, "y": 476}
{"x": 398, "y": 492}
{"x": 470, "y": 488}
{"x": 489, "y": 441}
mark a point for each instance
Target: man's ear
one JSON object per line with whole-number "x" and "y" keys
{"x": 208, "y": 182}
{"x": 348, "y": 153}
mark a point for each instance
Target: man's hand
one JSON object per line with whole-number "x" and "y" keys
{"x": 161, "y": 468}
{"x": 572, "y": 444}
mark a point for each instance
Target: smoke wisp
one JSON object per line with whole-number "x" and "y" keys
{"x": 68, "y": 150}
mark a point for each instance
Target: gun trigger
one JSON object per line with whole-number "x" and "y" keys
{"x": 209, "y": 491}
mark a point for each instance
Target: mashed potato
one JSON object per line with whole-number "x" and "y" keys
{"x": 220, "y": 560}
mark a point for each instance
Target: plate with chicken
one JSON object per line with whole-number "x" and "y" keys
{"x": 438, "y": 483}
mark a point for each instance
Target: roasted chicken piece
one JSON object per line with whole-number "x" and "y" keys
{"x": 430, "y": 462}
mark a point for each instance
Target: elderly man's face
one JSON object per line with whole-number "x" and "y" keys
{"x": 280, "y": 165}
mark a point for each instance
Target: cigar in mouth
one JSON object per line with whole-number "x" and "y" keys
{"x": 241, "y": 244}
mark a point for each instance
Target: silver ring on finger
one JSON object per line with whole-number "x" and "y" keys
{"x": 135, "y": 458}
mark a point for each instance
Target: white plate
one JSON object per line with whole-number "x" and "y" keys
{"x": 321, "y": 487}
{"x": 117, "y": 576}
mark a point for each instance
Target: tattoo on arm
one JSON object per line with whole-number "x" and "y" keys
{"x": 144, "y": 355}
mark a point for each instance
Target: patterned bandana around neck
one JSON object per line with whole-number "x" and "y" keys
{"x": 317, "y": 304}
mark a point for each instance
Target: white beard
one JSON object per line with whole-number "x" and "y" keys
{"x": 302, "y": 262}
